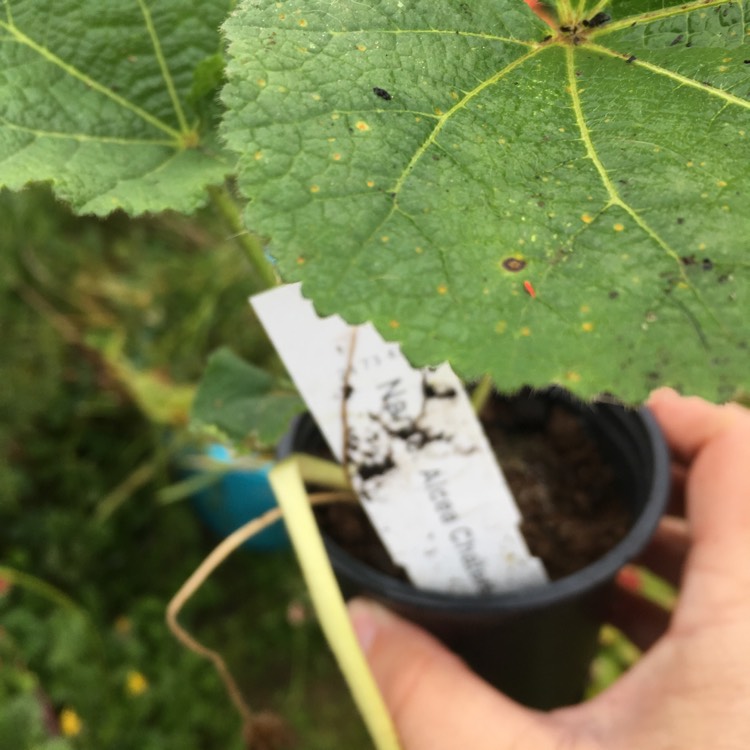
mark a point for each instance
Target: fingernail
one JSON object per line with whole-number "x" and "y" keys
{"x": 630, "y": 578}
{"x": 367, "y": 618}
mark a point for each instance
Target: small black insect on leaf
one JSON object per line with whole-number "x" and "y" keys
{"x": 382, "y": 93}
{"x": 677, "y": 40}
{"x": 598, "y": 20}
{"x": 707, "y": 264}
{"x": 631, "y": 59}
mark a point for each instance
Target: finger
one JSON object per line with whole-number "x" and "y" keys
{"x": 717, "y": 571}
{"x": 690, "y": 423}
{"x": 667, "y": 551}
{"x": 644, "y": 622}
{"x": 435, "y": 701}
{"x": 676, "y": 503}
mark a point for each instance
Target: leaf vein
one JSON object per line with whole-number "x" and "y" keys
{"x": 615, "y": 198}
{"x": 91, "y": 83}
{"x": 678, "y": 77}
{"x": 457, "y": 107}
{"x": 83, "y": 137}
{"x": 166, "y": 75}
{"x": 656, "y": 15}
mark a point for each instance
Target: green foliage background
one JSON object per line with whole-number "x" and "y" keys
{"x": 71, "y": 436}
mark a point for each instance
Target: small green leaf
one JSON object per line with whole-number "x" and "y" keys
{"x": 96, "y": 100}
{"x": 243, "y": 402}
{"x": 543, "y": 205}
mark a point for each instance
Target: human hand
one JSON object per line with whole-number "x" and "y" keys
{"x": 691, "y": 689}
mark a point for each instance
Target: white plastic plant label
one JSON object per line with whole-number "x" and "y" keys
{"x": 416, "y": 453}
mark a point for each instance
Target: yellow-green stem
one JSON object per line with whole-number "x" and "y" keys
{"x": 481, "y": 393}
{"x": 225, "y": 204}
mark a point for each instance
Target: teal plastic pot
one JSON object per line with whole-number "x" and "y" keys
{"x": 239, "y": 496}
{"x": 535, "y": 645}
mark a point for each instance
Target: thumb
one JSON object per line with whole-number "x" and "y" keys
{"x": 435, "y": 701}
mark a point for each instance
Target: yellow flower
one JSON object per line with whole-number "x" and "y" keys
{"x": 70, "y": 722}
{"x": 136, "y": 683}
{"x": 123, "y": 626}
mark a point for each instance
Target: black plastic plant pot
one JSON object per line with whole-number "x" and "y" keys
{"x": 535, "y": 645}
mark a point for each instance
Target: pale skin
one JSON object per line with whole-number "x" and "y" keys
{"x": 690, "y": 690}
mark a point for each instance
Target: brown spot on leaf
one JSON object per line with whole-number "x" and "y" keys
{"x": 514, "y": 264}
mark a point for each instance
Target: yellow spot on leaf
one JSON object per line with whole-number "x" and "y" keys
{"x": 501, "y": 326}
{"x": 526, "y": 331}
{"x": 362, "y": 126}
{"x": 315, "y": 97}
{"x": 690, "y": 164}
{"x": 361, "y": 47}
{"x": 438, "y": 111}
{"x": 702, "y": 246}
{"x": 572, "y": 377}
{"x": 262, "y": 82}
{"x": 587, "y": 218}
{"x": 454, "y": 96}
{"x": 370, "y": 183}
{"x": 418, "y": 250}
{"x": 385, "y": 238}
{"x": 302, "y": 22}
{"x": 70, "y": 723}
{"x": 258, "y": 155}
{"x": 587, "y": 326}
{"x": 442, "y": 289}
{"x": 394, "y": 323}
{"x": 618, "y": 227}
{"x": 282, "y": 16}
{"x": 314, "y": 188}
{"x": 300, "y": 260}
{"x": 561, "y": 130}
{"x": 721, "y": 183}
{"x": 336, "y": 157}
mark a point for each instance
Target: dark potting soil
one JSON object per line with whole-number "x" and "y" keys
{"x": 572, "y": 511}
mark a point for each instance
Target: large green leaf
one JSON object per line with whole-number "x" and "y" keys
{"x": 112, "y": 102}
{"x": 544, "y": 205}
{"x": 242, "y": 403}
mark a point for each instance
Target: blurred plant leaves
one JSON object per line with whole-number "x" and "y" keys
{"x": 243, "y": 403}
